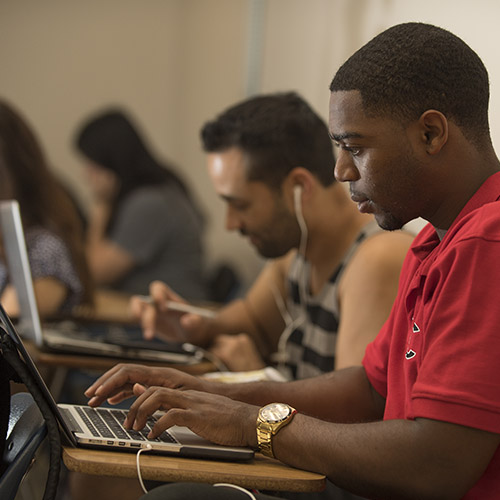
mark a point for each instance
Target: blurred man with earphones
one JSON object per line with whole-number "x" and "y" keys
{"x": 270, "y": 158}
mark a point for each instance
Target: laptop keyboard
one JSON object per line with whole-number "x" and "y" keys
{"x": 107, "y": 423}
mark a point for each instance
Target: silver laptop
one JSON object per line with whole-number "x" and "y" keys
{"x": 115, "y": 340}
{"x": 102, "y": 427}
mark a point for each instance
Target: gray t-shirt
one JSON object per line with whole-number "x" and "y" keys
{"x": 160, "y": 228}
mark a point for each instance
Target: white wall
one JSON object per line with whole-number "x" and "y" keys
{"x": 176, "y": 63}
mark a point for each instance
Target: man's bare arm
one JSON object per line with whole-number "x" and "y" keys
{"x": 404, "y": 459}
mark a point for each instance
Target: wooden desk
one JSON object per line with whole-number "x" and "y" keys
{"x": 262, "y": 473}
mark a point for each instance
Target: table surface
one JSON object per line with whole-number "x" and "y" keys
{"x": 260, "y": 473}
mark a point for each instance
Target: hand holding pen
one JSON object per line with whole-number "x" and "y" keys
{"x": 181, "y": 307}
{"x": 165, "y": 314}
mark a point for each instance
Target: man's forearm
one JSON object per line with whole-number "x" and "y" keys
{"x": 341, "y": 396}
{"x": 408, "y": 459}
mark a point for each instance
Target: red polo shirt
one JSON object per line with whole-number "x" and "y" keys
{"x": 438, "y": 355}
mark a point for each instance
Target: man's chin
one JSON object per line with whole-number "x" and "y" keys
{"x": 268, "y": 253}
{"x": 270, "y": 249}
{"x": 388, "y": 222}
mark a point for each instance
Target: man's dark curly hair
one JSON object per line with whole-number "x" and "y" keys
{"x": 277, "y": 132}
{"x": 414, "y": 67}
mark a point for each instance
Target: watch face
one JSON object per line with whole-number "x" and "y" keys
{"x": 275, "y": 412}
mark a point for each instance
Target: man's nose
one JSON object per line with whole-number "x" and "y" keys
{"x": 345, "y": 170}
{"x": 233, "y": 222}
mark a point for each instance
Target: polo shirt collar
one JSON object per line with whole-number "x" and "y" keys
{"x": 487, "y": 193}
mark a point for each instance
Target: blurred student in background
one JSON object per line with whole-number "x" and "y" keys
{"x": 143, "y": 223}
{"x": 53, "y": 228}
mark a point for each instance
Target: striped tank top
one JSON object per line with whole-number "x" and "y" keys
{"x": 308, "y": 342}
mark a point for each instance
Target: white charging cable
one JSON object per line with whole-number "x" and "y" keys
{"x": 234, "y": 486}
{"x": 139, "y": 475}
{"x": 144, "y": 489}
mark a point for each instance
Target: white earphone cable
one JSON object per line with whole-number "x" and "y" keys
{"x": 290, "y": 325}
{"x": 139, "y": 475}
{"x": 228, "y": 485}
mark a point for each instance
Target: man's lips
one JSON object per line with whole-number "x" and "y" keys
{"x": 358, "y": 198}
{"x": 364, "y": 204}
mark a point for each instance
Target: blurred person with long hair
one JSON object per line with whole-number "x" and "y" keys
{"x": 52, "y": 225}
{"x": 143, "y": 223}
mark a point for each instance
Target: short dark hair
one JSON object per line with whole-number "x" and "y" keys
{"x": 277, "y": 132}
{"x": 413, "y": 67}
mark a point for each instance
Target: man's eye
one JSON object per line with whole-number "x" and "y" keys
{"x": 352, "y": 150}
{"x": 239, "y": 207}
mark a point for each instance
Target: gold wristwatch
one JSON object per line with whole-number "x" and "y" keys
{"x": 271, "y": 419}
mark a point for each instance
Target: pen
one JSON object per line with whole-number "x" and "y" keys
{"x": 181, "y": 307}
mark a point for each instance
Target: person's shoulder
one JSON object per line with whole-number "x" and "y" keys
{"x": 483, "y": 222}
{"x": 165, "y": 194}
{"x": 380, "y": 256}
{"x": 144, "y": 194}
{"x": 282, "y": 264}
{"x": 489, "y": 213}
{"x": 386, "y": 245}
{"x": 44, "y": 245}
{"x": 145, "y": 201}
{"x": 377, "y": 262}
{"x": 40, "y": 237}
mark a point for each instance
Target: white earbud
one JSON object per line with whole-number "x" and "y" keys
{"x": 297, "y": 201}
{"x": 297, "y": 198}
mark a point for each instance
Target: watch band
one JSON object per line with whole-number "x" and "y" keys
{"x": 264, "y": 439}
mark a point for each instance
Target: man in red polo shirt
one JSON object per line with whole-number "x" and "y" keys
{"x": 421, "y": 417}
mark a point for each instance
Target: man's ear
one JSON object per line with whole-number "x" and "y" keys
{"x": 300, "y": 176}
{"x": 433, "y": 130}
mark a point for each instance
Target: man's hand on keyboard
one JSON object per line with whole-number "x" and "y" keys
{"x": 211, "y": 416}
{"x": 117, "y": 383}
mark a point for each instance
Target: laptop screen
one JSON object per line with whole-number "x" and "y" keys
{"x": 19, "y": 270}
